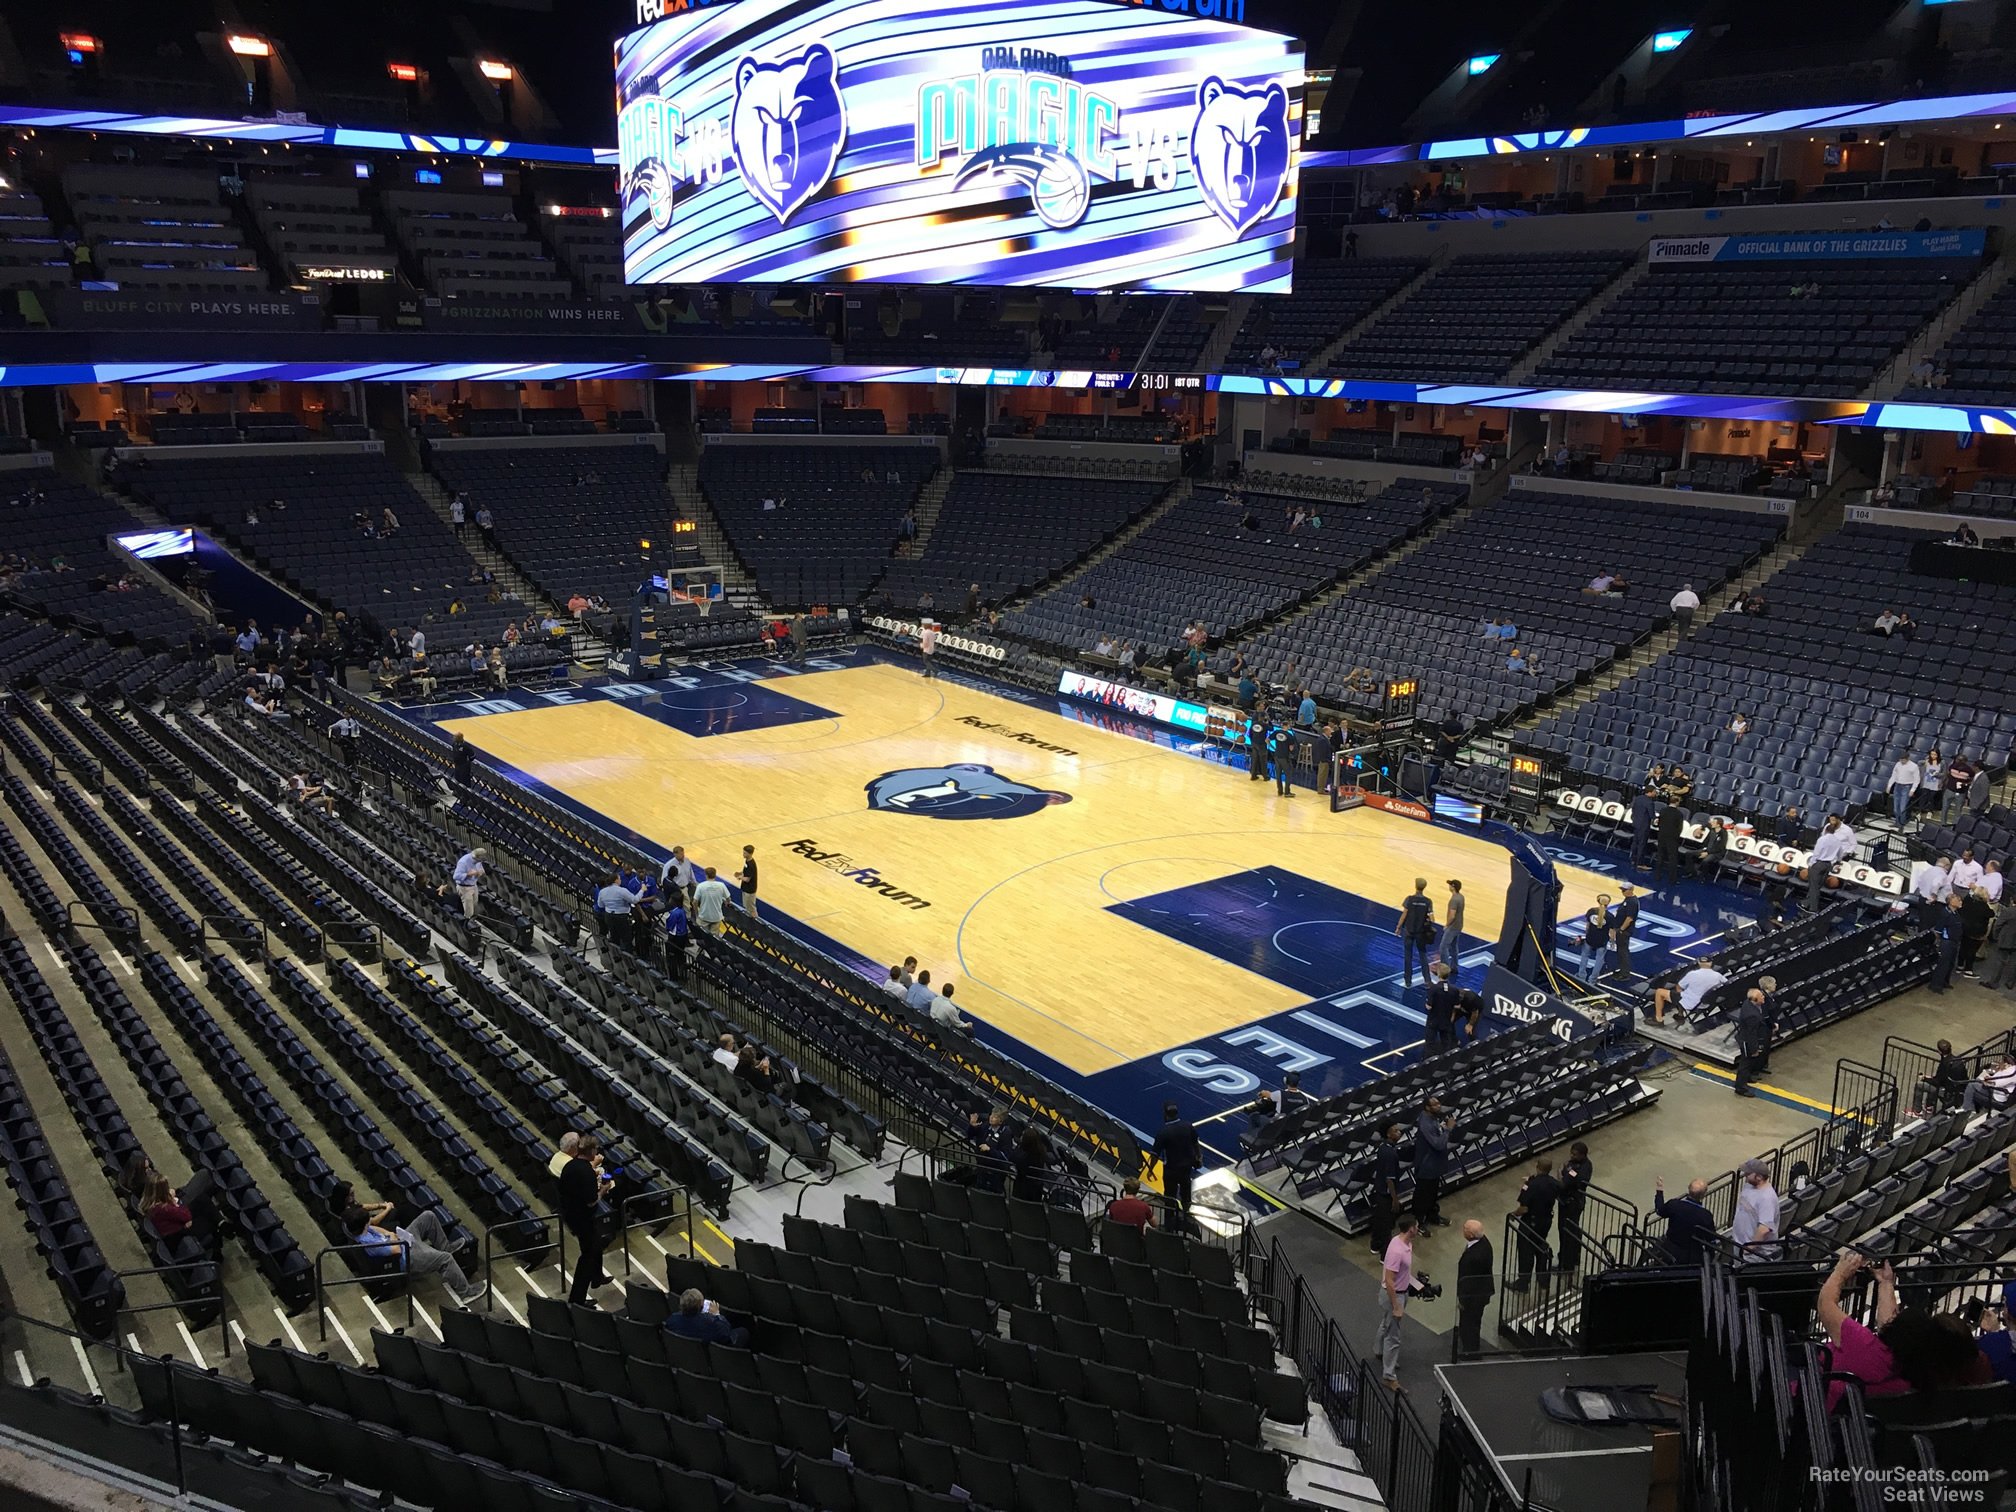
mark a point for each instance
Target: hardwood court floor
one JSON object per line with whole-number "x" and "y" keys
{"x": 1019, "y": 911}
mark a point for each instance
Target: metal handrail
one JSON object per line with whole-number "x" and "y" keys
{"x": 238, "y": 939}
{"x": 491, "y": 1254}
{"x": 129, "y": 930}
{"x": 220, "y": 1293}
{"x": 322, "y": 1284}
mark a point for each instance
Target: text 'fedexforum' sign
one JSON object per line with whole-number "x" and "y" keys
{"x": 1075, "y": 143}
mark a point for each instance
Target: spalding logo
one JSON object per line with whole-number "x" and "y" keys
{"x": 1239, "y": 149}
{"x": 787, "y": 127}
{"x": 962, "y": 791}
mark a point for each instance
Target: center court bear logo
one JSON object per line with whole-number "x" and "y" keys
{"x": 787, "y": 127}
{"x": 963, "y": 791}
{"x": 1239, "y": 149}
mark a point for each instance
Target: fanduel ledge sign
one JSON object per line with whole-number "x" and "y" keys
{"x": 140, "y": 309}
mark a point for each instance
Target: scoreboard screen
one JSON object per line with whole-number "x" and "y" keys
{"x": 1040, "y": 143}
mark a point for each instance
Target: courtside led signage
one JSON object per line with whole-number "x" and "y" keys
{"x": 1669, "y": 41}
{"x": 1075, "y": 143}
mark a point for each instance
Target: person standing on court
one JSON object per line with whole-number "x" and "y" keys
{"x": 469, "y": 870}
{"x": 1533, "y": 1213}
{"x": 710, "y": 903}
{"x": 1644, "y": 807}
{"x": 1452, "y": 926}
{"x": 1417, "y": 923}
{"x": 1281, "y": 742}
{"x": 1385, "y": 1189}
{"x": 1177, "y": 1148}
{"x": 927, "y": 646}
{"x": 1476, "y": 1284}
{"x": 747, "y": 879}
{"x": 1431, "y": 1161}
{"x": 1396, "y": 1280}
{"x": 1576, "y": 1174}
{"x": 1624, "y": 924}
{"x": 582, "y": 1188}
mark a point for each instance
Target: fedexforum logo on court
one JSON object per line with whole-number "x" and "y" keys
{"x": 863, "y": 876}
{"x": 1020, "y": 737}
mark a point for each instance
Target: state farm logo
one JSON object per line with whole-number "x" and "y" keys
{"x": 844, "y": 865}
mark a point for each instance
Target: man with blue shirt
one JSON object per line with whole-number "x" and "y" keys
{"x": 1305, "y": 711}
{"x": 469, "y": 870}
{"x": 425, "y": 1251}
{"x": 920, "y": 996}
{"x": 678, "y": 937}
{"x": 247, "y": 642}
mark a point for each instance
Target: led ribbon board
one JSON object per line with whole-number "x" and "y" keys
{"x": 1075, "y": 144}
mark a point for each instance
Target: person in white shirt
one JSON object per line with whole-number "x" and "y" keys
{"x": 710, "y": 898}
{"x": 1684, "y": 603}
{"x": 1967, "y": 872}
{"x": 1905, "y": 780}
{"x": 945, "y": 1013}
{"x": 724, "y": 1053}
{"x": 1934, "y": 881}
{"x": 1836, "y": 842}
{"x": 894, "y": 987}
{"x": 1991, "y": 881}
{"x": 1993, "y": 1088}
{"x": 679, "y": 874}
{"x": 1693, "y": 987}
{"x": 920, "y": 996}
{"x": 927, "y": 645}
{"x": 417, "y": 646}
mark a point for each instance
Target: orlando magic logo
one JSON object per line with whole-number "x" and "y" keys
{"x": 1239, "y": 150}
{"x": 652, "y": 183}
{"x": 964, "y": 790}
{"x": 1057, "y": 183}
{"x": 787, "y": 127}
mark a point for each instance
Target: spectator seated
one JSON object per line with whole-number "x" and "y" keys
{"x": 1525, "y": 559}
{"x": 1201, "y": 558}
{"x": 835, "y": 515}
{"x": 1010, "y": 533}
{"x": 1832, "y": 705}
{"x": 1328, "y": 299}
{"x": 568, "y": 517}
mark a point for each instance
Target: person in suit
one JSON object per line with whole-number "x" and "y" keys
{"x": 1690, "y": 1227}
{"x": 1667, "y": 830}
{"x": 1385, "y": 1189}
{"x": 1431, "y": 1161}
{"x": 1644, "y": 806}
{"x": 582, "y": 1188}
{"x": 1753, "y": 1040}
{"x": 1177, "y": 1148}
{"x": 1624, "y": 924}
{"x": 697, "y": 1318}
{"x": 1476, "y": 1284}
{"x": 1714, "y": 848}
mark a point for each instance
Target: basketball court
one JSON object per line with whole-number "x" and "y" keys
{"x": 1098, "y": 893}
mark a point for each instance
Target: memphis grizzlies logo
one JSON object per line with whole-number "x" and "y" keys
{"x": 787, "y": 127}
{"x": 1239, "y": 150}
{"x": 962, "y": 791}
{"x": 1058, "y": 186}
